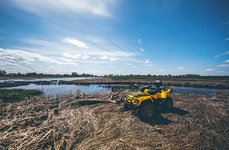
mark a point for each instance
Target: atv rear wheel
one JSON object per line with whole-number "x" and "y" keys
{"x": 146, "y": 111}
{"x": 168, "y": 104}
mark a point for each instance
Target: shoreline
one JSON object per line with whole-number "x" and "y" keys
{"x": 190, "y": 83}
{"x": 212, "y": 84}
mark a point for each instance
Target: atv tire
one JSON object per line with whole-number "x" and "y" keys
{"x": 146, "y": 111}
{"x": 126, "y": 106}
{"x": 168, "y": 104}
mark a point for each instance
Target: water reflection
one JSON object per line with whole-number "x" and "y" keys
{"x": 63, "y": 89}
{"x": 66, "y": 89}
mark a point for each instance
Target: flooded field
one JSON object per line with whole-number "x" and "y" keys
{"x": 93, "y": 85}
{"x": 66, "y": 89}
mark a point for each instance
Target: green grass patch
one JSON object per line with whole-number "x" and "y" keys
{"x": 8, "y": 84}
{"x": 15, "y": 95}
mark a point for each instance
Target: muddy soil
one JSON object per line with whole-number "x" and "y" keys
{"x": 196, "y": 122}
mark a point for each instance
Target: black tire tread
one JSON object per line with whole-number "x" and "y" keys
{"x": 126, "y": 106}
{"x": 168, "y": 104}
{"x": 146, "y": 110}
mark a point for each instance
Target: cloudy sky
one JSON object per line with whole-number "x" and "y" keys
{"x": 115, "y": 36}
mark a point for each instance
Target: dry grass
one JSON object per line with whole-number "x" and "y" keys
{"x": 197, "y": 122}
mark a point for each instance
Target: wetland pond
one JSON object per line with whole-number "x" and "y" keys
{"x": 56, "y": 89}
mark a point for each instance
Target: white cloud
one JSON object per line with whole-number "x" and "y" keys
{"x": 108, "y": 58}
{"x": 104, "y": 57}
{"x": 51, "y": 54}
{"x": 40, "y": 7}
{"x": 219, "y": 55}
{"x": 101, "y": 54}
{"x": 85, "y": 57}
{"x": 223, "y": 65}
{"x": 226, "y": 61}
{"x": 75, "y": 42}
{"x": 142, "y": 50}
{"x": 76, "y": 56}
{"x": 26, "y": 62}
{"x": 128, "y": 64}
{"x": 99, "y": 47}
{"x": 181, "y": 68}
{"x": 209, "y": 70}
{"x": 22, "y": 56}
{"x": 112, "y": 53}
{"x": 68, "y": 61}
{"x": 147, "y": 61}
{"x": 106, "y": 47}
{"x": 96, "y": 50}
{"x": 5, "y": 63}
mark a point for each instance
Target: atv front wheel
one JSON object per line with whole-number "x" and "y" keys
{"x": 126, "y": 106}
{"x": 168, "y": 104}
{"x": 146, "y": 111}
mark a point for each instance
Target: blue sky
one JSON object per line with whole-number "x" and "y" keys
{"x": 115, "y": 36}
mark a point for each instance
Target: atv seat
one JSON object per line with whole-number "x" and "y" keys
{"x": 152, "y": 92}
{"x": 142, "y": 89}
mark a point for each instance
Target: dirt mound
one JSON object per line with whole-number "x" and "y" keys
{"x": 196, "y": 122}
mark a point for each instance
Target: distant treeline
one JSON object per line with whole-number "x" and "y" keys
{"x": 34, "y": 74}
{"x": 117, "y": 76}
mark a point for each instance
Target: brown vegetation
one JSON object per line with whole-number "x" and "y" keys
{"x": 196, "y": 122}
{"x": 219, "y": 84}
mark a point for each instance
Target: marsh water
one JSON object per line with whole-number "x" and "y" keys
{"x": 66, "y": 89}
{"x": 56, "y": 89}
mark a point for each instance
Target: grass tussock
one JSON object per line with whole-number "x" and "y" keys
{"x": 13, "y": 84}
{"x": 15, "y": 95}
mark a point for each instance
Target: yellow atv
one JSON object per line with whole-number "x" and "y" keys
{"x": 147, "y": 101}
